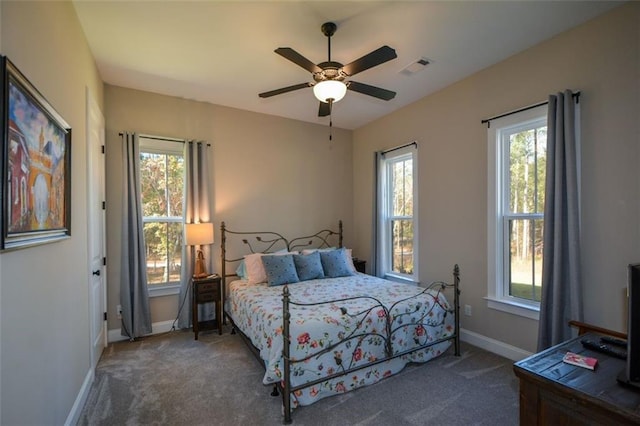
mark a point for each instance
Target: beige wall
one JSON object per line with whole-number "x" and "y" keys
{"x": 273, "y": 173}
{"x": 269, "y": 173}
{"x": 44, "y": 323}
{"x": 600, "y": 59}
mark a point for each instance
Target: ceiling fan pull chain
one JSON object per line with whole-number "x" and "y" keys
{"x": 330, "y": 119}
{"x": 330, "y": 130}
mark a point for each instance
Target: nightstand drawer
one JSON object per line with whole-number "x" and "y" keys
{"x": 208, "y": 296}
{"x": 207, "y": 287}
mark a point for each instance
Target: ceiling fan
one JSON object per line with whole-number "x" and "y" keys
{"x": 329, "y": 85}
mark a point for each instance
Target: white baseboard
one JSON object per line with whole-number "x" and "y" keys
{"x": 78, "y": 405}
{"x": 475, "y": 339}
{"x": 497, "y": 347}
{"x": 156, "y": 328}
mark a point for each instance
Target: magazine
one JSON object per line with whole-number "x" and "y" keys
{"x": 580, "y": 360}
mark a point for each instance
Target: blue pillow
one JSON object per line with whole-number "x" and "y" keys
{"x": 241, "y": 270}
{"x": 334, "y": 263}
{"x": 280, "y": 269}
{"x": 308, "y": 266}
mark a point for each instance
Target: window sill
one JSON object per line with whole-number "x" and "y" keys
{"x": 166, "y": 290}
{"x": 400, "y": 279}
{"x": 515, "y": 308}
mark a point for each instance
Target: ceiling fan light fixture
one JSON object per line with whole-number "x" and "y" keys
{"x": 329, "y": 89}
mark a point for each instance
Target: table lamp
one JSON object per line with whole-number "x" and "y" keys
{"x": 198, "y": 234}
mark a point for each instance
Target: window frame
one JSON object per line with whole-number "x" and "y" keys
{"x": 163, "y": 146}
{"x": 384, "y": 217}
{"x": 499, "y": 213}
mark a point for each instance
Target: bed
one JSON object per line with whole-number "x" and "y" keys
{"x": 323, "y": 336}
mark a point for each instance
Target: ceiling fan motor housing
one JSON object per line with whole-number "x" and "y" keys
{"x": 330, "y": 71}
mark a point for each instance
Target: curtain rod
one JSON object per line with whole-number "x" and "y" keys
{"x": 162, "y": 138}
{"x": 488, "y": 120}
{"x": 400, "y": 147}
{"x": 159, "y": 138}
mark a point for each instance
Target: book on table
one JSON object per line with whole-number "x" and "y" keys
{"x": 580, "y": 360}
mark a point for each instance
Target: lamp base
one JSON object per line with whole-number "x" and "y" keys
{"x": 199, "y": 270}
{"x": 198, "y": 276}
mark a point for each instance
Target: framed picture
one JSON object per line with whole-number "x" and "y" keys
{"x": 35, "y": 164}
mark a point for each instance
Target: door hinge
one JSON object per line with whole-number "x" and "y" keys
{"x": 104, "y": 205}
{"x": 104, "y": 261}
{"x": 102, "y": 149}
{"x": 105, "y": 316}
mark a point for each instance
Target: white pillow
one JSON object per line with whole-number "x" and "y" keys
{"x": 255, "y": 269}
{"x": 347, "y": 254}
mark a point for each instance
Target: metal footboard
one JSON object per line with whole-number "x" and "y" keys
{"x": 386, "y": 336}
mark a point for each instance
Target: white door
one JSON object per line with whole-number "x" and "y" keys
{"x": 96, "y": 225}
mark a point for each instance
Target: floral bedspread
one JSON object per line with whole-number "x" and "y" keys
{"x": 329, "y": 338}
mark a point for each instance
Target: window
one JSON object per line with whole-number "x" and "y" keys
{"x": 517, "y": 165}
{"x": 398, "y": 248}
{"x": 162, "y": 187}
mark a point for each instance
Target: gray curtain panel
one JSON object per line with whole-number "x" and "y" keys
{"x": 561, "y": 280}
{"x": 376, "y": 261}
{"x": 134, "y": 295}
{"x": 197, "y": 208}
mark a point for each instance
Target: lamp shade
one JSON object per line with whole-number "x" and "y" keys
{"x": 198, "y": 234}
{"x": 330, "y": 89}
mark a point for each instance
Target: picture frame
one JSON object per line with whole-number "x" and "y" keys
{"x": 35, "y": 162}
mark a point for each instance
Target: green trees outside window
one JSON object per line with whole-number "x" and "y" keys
{"x": 162, "y": 183}
{"x": 527, "y": 153}
{"x": 401, "y": 175}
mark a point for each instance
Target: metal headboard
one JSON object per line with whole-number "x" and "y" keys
{"x": 269, "y": 242}
{"x": 321, "y": 239}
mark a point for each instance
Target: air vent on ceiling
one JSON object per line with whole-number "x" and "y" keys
{"x": 416, "y": 66}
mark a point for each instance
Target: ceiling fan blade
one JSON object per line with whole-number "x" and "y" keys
{"x": 298, "y": 59}
{"x": 284, "y": 90}
{"x": 374, "y": 91}
{"x": 370, "y": 60}
{"x": 324, "y": 110}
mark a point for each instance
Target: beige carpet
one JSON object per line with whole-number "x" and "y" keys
{"x": 171, "y": 379}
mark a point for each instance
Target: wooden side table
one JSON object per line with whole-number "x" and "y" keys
{"x": 555, "y": 393}
{"x": 206, "y": 290}
{"x": 361, "y": 265}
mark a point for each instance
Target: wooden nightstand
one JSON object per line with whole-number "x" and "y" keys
{"x": 361, "y": 265}
{"x": 206, "y": 290}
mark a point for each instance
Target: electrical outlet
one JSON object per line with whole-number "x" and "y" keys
{"x": 467, "y": 310}
{"x": 119, "y": 310}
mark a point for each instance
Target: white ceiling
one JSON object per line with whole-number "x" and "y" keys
{"x": 222, "y": 51}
